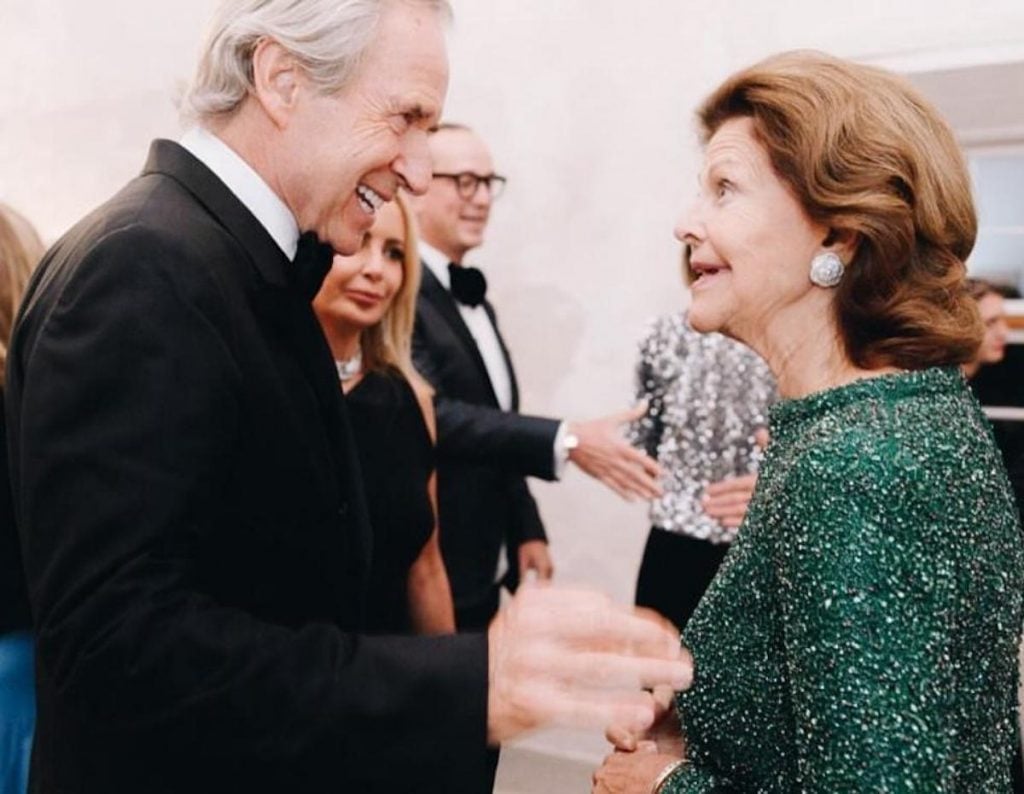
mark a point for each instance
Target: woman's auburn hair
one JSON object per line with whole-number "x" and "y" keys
{"x": 865, "y": 154}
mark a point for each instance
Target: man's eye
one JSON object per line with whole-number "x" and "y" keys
{"x": 722, "y": 186}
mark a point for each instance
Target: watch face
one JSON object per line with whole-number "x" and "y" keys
{"x": 571, "y": 441}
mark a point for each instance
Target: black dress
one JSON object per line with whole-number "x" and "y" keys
{"x": 396, "y": 454}
{"x": 14, "y": 611}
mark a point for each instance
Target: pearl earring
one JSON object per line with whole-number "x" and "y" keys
{"x": 827, "y": 269}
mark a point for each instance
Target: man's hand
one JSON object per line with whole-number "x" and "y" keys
{"x": 533, "y": 556}
{"x": 606, "y": 456}
{"x": 573, "y": 658}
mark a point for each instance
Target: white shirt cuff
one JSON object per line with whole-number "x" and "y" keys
{"x": 561, "y": 452}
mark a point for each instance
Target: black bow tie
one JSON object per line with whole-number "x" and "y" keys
{"x": 312, "y": 261}
{"x": 468, "y": 284}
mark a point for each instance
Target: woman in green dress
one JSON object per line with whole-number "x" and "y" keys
{"x": 862, "y": 632}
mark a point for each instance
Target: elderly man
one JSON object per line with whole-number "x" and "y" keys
{"x": 485, "y": 446}
{"x": 193, "y": 527}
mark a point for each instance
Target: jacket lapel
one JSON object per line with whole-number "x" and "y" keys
{"x": 283, "y": 305}
{"x": 505, "y": 354}
{"x": 442, "y": 300}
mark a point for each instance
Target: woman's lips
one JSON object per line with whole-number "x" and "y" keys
{"x": 706, "y": 273}
{"x": 364, "y": 298}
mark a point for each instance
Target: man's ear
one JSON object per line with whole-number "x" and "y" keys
{"x": 276, "y": 78}
{"x": 843, "y": 243}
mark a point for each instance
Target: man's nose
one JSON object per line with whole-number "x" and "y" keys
{"x": 413, "y": 163}
{"x": 482, "y": 196}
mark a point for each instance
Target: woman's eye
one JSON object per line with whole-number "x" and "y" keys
{"x": 395, "y": 253}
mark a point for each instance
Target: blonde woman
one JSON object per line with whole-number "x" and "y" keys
{"x": 366, "y": 307}
{"x": 20, "y": 251}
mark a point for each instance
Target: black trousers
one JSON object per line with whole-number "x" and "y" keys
{"x": 477, "y": 617}
{"x": 675, "y": 572}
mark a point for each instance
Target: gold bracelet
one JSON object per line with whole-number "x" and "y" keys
{"x": 665, "y": 774}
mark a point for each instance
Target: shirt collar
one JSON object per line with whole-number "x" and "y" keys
{"x": 437, "y": 263}
{"x": 247, "y": 185}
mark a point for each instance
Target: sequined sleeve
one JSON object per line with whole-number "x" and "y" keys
{"x": 861, "y": 634}
{"x": 652, "y": 382}
{"x": 871, "y": 584}
{"x": 867, "y": 617}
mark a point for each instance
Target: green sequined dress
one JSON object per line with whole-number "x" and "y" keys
{"x": 862, "y": 632}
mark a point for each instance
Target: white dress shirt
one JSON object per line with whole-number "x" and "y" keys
{"x": 480, "y": 328}
{"x": 248, "y": 186}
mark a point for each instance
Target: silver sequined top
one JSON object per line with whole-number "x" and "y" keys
{"x": 708, "y": 395}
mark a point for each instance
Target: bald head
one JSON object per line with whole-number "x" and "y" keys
{"x": 449, "y": 221}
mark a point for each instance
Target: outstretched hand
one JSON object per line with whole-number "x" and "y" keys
{"x": 606, "y": 456}
{"x": 571, "y": 657}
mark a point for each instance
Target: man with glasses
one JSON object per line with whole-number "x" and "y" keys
{"x": 485, "y": 447}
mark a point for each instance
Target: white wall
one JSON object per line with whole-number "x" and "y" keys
{"x": 587, "y": 105}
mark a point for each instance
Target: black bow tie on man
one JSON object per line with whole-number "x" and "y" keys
{"x": 309, "y": 268}
{"x": 468, "y": 284}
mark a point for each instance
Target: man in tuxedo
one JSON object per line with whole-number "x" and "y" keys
{"x": 485, "y": 446}
{"x": 193, "y": 528}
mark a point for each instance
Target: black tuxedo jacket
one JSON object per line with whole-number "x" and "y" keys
{"x": 483, "y": 452}
{"x": 193, "y": 525}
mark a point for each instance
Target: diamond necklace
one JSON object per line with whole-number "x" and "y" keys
{"x": 350, "y": 367}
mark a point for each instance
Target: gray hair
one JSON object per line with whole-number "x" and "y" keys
{"x": 329, "y": 38}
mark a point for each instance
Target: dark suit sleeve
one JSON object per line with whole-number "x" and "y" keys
{"x": 526, "y": 526}
{"x": 129, "y": 409}
{"x": 478, "y": 433}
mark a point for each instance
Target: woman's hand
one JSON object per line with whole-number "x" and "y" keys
{"x": 664, "y": 735}
{"x": 631, "y": 773}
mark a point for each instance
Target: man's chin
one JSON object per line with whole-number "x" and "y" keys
{"x": 347, "y": 241}
{"x": 471, "y": 241}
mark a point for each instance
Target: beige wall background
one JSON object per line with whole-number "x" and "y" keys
{"x": 587, "y": 104}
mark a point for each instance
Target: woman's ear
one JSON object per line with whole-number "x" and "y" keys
{"x": 843, "y": 243}
{"x": 276, "y": 78}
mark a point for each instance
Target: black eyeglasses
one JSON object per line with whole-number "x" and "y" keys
{"x": 467, "y": 183}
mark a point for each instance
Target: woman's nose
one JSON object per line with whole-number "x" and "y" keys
{"x": 689, "y": 228}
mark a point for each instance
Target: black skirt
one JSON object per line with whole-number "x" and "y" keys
{"x": 675, "y": 572}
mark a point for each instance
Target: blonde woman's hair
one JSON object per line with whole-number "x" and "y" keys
{"x": 388, "y": 344}
{"x": 20, "y": 251}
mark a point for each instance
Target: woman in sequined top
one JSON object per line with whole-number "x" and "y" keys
{"x": 862, "y": 632}
{"x": 707, "y": 399}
